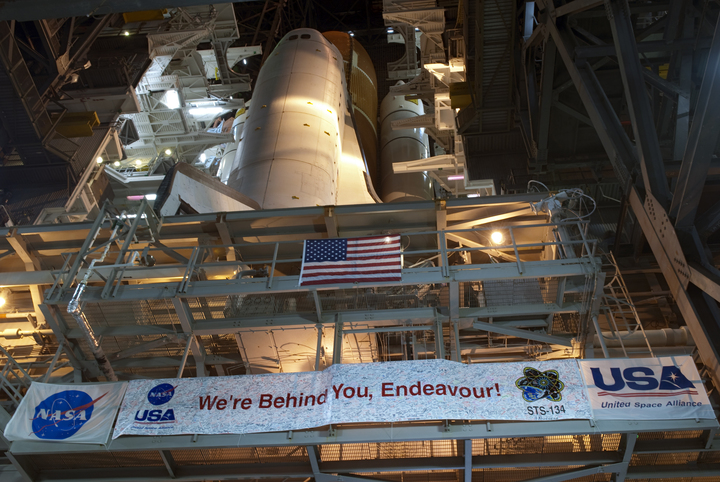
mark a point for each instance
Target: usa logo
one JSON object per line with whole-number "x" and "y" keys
{"x": 537, "y": 385}
{"x": 643, "y": 381}
{"x": 158, "y": 395}
{"x": 63, "y": 414}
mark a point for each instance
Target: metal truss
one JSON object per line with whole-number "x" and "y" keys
{"x": 666, "y": 224}
{"x": 560, "y": 450}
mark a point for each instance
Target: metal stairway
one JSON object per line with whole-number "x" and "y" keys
{"x": 618, "y": 308}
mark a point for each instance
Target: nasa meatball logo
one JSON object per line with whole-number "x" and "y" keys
{"x": 158, "y": 395}
{"x": 161, "y": 394}
{"x": 537, "y": 385}
{"x": 63, "y": 414}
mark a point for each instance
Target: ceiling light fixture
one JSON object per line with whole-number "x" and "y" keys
{"x": 457, "y": 177}
{"x": 99, "y": 160}
{"x": 497, "y": 237}
{"x": 4, "y": 296}
{"x": 172, "y": 99}
{"x": 168, "y": 152}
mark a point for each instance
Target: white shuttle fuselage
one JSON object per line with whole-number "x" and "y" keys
{"x": 292, "y": 141}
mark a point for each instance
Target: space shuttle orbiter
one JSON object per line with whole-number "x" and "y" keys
{"x": 299, "y": 146}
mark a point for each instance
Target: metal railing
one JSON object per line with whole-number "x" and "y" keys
{"x": 424, "y": 261}
{"x": 15, "y": 377}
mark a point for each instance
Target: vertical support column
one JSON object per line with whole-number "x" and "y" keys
{"x": 314, "y": 461}
{"x": 701, "y": 142}
{"x": 643, "y": 122}
{"x": 226, "y": 238}
{"x": 456, "y": 348}
{"x": 546, "y": 101}
{"x": 454, "y": 294}
{"x": 318, "y": 306}
{"x": 31, "y": 262}
{"x": 628, "y": 441}
{"x": 338, "y": 341}
{"x": 440, "y": 226}
{"x": 181, "y": 368}
{"x": 183, "y": 311}
{"x": 318, "y": 347}
{"x": 467, "y": 476}
{"x": 439, "y": 338}
{"x": 59, "y": 328}
{"x": 682, "y": 112}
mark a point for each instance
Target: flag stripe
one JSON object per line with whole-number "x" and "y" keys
{"x": 360, "y": 247}
{"x": 359, "y": 260}
{"x": 374, "y": 239}
{"x": 375, "y": 258}
{"x": 334, "y": 272}
{"x": 364, "y": 252}
{"x": 335, "y": 281}
{"x": 334, "y": 267}
{"x": 371, "y": 275}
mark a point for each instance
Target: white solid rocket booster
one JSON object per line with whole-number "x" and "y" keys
{"x": 292, "y": 138}
{"x": 400, "y": 146}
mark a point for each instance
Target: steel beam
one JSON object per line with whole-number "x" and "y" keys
{"x": 400, "y": 432}
{"x": 682, "y": 111}
{"x": 546, "y": 100}
{"x": 709, "y": 221}
{"x": 700, "y": 312}
{"x": 641, "y": 115}
{"x": 672, "y": 471}
{"x": 651, "y": 215}
{"x": 59, "y": 327}
{"x": 590, "y": 51}
{"x": 701, "y": 143}
{"x": 574, "y": 474}
{"x": 628, "y": 441}
{"x": 467, "y": 468}
{"x": 706, "y": 278}
{"x": 531, "y": 269}
{"x": 519, "y": 310}
{"x": 573, "y": 113}
{"x": 617, "y": 145}
{"x": 524, "y": 334}
{"x": 39, "y": 9}
{"x": 577, "y": 6}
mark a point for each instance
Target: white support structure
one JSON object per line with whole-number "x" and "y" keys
{"x": 424, "y": 17}
{"x": 184, "y": 89}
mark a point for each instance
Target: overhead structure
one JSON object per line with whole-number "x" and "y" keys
{"x": 184, "y": 89}
{"x": 565, "y": 264}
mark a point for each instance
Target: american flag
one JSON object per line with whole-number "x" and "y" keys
{"x": 351, "y": 260}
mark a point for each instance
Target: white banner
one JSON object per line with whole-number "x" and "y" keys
{"x": 377, "y": 392}
{"x": 646, "y": 389}
{"x": 66, "y": 413}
